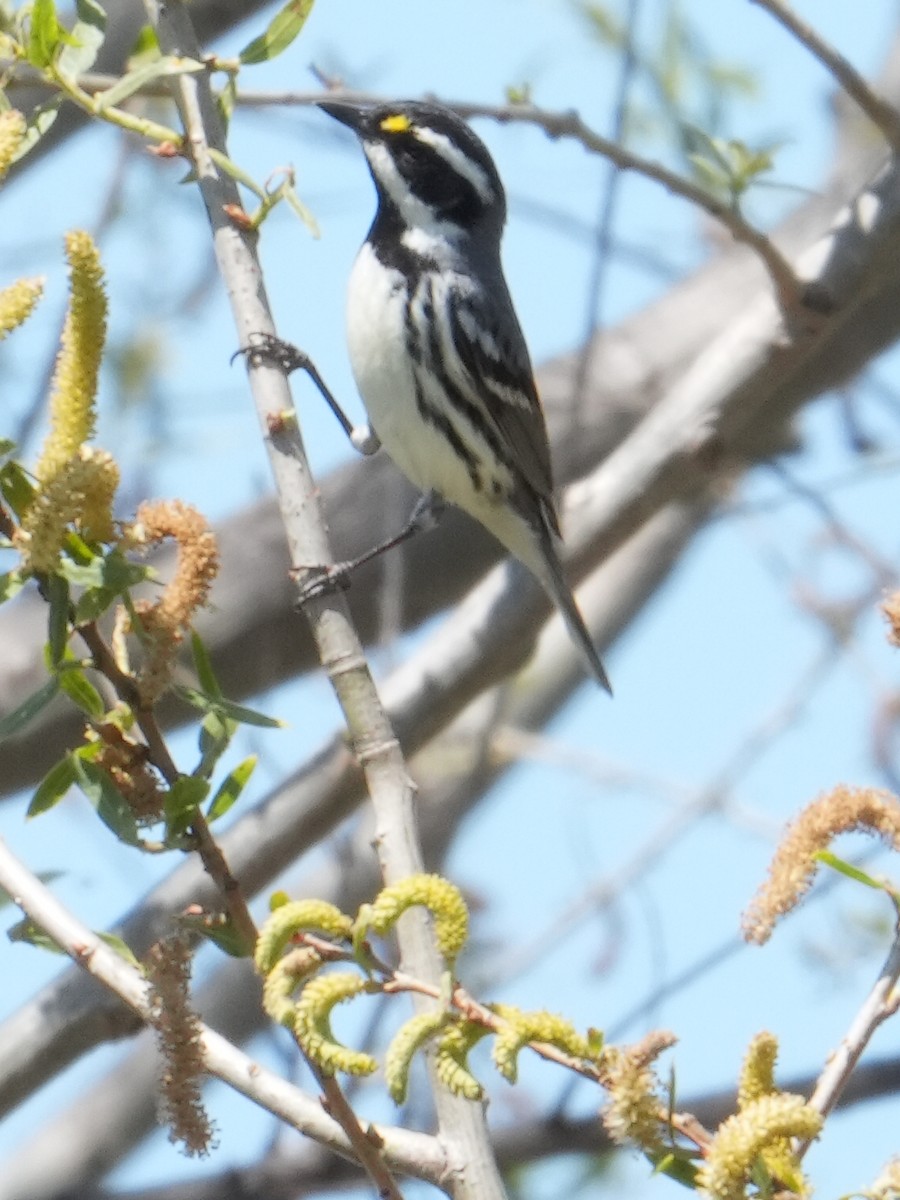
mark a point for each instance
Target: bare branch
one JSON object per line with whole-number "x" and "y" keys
{"x": 883, "y": 115}
{"x": 569, "y": 124}
{"x": 882, "y": 1002}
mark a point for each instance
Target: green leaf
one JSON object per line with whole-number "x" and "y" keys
{"x": 607, "y": 27}
{"x": 112, "y": 808}
{"x": 279, "y": 34}
{"x": 40, "y": 120}
{"x": 6, "y": 446}
{"x": 220, "y": 930}
{"x": 147, "y": 72}
{"x": 45, "y": 34}
{"x": 183, "y": 801}
{"x": 215, "y": 737}
{"x": 11, "y": 584}
{"x": 226, "y": 100}
{"x": 26, "y": 931}
{"x": 29, "y": 708}
{"x": 93, "y": 604}
{"x": 230, "y": 167}
{"x": 121, "y": 948}
{"x": 203, "y": 666}
{"x": 227, "y": 708}
{"x": 677, "y": 1165}
{"x": 17, "y": 488}
{"x": 231, "y": 788}
{"x": 52, "y": 787}
{"x": 80, "y": 690}
{"x": 112, "y": 571}
{"x": 87, "y": 37}
{"x": 845, "y": 868}
{"x": 304, "y": 213}
{"x": 57, "y": 591}
{"x": 78, "y": 550}
{"x": 146, "y": 44}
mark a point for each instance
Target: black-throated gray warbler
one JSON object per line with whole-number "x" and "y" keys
{"x": 435, "y": 345}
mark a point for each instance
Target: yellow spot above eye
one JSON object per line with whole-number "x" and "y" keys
{"x": 396, "y": 123}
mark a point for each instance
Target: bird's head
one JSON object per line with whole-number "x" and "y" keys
{"x": 427, "y": 164}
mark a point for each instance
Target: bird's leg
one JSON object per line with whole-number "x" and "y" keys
{"x": 425, "y": 515}
{"x": 290, "y": 358}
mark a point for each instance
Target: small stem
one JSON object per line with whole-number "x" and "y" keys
{"x": 883, "y": 115}
{"x": 115, "y": 116}
{"x": 214, "y": 862}
{"x": 366, "y": 1144}
{"x": 881, "y": 1003}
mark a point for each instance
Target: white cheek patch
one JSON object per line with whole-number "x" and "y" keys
{"x": 415, "y": 214}
{"x": 458, "y": 161}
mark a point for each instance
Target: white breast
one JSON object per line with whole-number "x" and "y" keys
{"x": 376, "y": 322}
{"x": 384, "y": 374}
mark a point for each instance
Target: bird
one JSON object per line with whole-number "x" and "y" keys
{"x": 435, "y": 346}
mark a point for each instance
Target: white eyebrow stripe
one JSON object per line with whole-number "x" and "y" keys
{"x": 455, "y": 158}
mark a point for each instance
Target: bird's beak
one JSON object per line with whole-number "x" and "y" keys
{"x": 349, "y": 114}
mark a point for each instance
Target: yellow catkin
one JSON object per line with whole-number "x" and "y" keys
{"x": 86, "y": 483}
{"x": 409, "y": 1039}
{"x": 96, "y": 518}
{"x": 794, "y": 865}
{"x": 758, "y": 1080}
{"x": 521, "y": 1028}
{"x": 312, "y": 1024}
{"x": 179, "y": 1035}
{"x": 297, "y": 916}
{"x": 74, "y": 391}
{"x": 439, "y": 895}
{"x": 742, "y": 1138}
{"x": 17, "y": 302}
{"x": 12, "y": 133}
{"x": 451, "y": 1058}
{"x": 887, "y": 1185}
{"x": 635, "y": 1111}
{"x": 891, "y": 610}
{"x": 283, "y": 981}
{"x": 163, "y": 623}
{"x": 758, "y": 1069}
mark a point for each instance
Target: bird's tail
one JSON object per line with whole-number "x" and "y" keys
{"x": 554, "y": 580}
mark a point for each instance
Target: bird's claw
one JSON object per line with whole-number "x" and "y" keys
{"x": 326, "y": 582}
{"x": 267, "y": 347}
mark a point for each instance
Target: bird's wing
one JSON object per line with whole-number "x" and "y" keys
{"x": 491, "y": 347}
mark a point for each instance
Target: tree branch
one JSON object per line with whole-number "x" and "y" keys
{"x": 883, "y": 115}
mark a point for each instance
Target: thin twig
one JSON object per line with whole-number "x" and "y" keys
{"x": 603, "y": 237}
{"x": 882, "y": 1002}
{"x": 788, "y": 287}
{"x": 883, "y": 115}
{"x": 214, "y": 861}
{"x": 569, "y": 124}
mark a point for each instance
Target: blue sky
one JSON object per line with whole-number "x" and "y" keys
{"x": 690, "y": 679}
